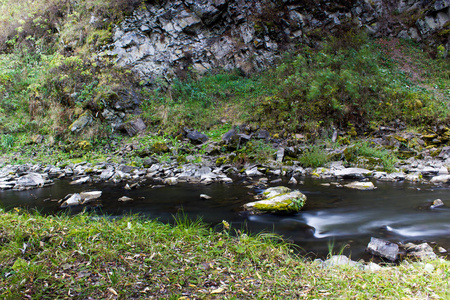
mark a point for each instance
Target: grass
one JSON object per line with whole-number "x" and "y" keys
{"x": 86, "y": 256}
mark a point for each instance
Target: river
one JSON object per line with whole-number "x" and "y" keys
{"x": 334, "y": 218}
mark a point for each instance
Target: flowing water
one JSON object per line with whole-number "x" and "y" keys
{"x": 333, "y": 218}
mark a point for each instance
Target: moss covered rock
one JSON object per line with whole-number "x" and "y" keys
{"x": 278, "y": 200}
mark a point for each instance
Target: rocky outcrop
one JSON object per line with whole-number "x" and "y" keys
{"x": 165, "y": 39}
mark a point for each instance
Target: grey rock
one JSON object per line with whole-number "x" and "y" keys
{"x": 253, "y": 172}
{"x": 30, "y": 180}
{"x": 362, "y": 186}
{"x": 84, "y": 120}
{"x": 87, "y": 197}
{"x": 82, "y": 180}
{"x": 73, "y": 200}
{"x": 352, "y": 173}
{"x": 422, "y": 251}
{"x": 134, "y": 127}
{"x": 440, "y": 179}
{"x": 383, "y": 249}
{"x": 197, "y": 137}
{"x": 437, "y": 203}
{"x": 125, "y": 199}
{"x": 339, "y": 260}
{"x": 171, "y": 181}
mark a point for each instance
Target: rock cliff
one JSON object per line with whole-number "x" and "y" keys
{"x": 165, "y": 39}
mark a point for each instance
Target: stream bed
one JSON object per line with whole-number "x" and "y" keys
{"x": 334, "y": 218}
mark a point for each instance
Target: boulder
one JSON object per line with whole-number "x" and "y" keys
{"x": 84, "y": 120}
{"x": 437, "y": 203}
{"x": 279, "y": 200}
{"x": 253, "y": 172}
{"x": 196, "y": 137}
{"x": 422, "y": 251}
{"x": 171, "y": 181}
{"x": 72, "y": 200}
{"x": 90, "y": 196}
{"x": 362, "y": 186}
{"x": 82, "y": 180}
{"x": 383, "y": 249}
{"x": 30, "y": 180}
{"x": 134, "y": 127}
{"x": 440, "y": 179}
{"x": 353, "y": 173}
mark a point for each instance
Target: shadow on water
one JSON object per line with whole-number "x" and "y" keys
{"x": 333, "y": 217}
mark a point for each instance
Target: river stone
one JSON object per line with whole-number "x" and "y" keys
{"x": 440, "y": 179}
{"x": 352, "y": 173}
{"x": 339, "y": 260}
{"x": 362, "y": 186}
{"x": 73, "y": 200}
{"x": 125, "y": 199}
{"x": 422, "y": 251}
{"x": 383, "y": 249}
{"x": 31, "y": 180}
{"x": 279, "y": 200}
{"x": 82, "y": 180}
{"x": 437, "y": 203}
{"x": 171, "y": 181}
{"x": 253, "y": 172}
{"x": 205, "y": 197}
{"x": 90, "y": 196}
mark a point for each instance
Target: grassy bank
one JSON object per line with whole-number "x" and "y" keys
{"x": 83, "y": 257}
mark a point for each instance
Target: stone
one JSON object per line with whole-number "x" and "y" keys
{"x": 422, "y": 251}
{"x": 171, "y": 181}
{"x": 353, "y": 173}
{"x": 362, "y": 186}
{"x": 440, "y": 179}
{"x": 125, "y": 199}
{"x": 437, "y": 203}
{"x": 293, "y": 180}
{"x": 339, "y": 260}
{"x": 134, "y": 127}
{"x": 84, "y": 120}
{"x": 253, "y": 172}
{"x": 372, "y": 267}
{"x": 196, "y": 137}
{"x": 90, "y": 196}
{"x": 73, "y": 200}
{"x": 30, "y": 180}
{"x": 383, "y": 248}
{"x": 82, "y": 180}
{"x": 279, "y": 200}
{"x": 205, "y": 197}
{"x": 280, "y": 155}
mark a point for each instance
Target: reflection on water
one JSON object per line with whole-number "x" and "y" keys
{"x": 332, "y": 216}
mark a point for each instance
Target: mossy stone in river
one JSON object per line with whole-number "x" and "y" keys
{"x": 278, "y": 200}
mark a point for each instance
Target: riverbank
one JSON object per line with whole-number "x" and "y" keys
{"x": 86, "y": 256}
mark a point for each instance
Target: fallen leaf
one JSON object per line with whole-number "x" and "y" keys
{"x": 218, "y": 291}
{"x": 113, "y": 291}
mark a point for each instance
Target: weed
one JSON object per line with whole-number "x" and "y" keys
{"x": 313, "y": 157}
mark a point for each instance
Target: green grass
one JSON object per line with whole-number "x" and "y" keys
{"x": 314, "y": 157}
{"x": 86, "y": 256}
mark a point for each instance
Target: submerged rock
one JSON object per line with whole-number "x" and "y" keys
{"x": 383, "y": 249}
{"x": 363, "y": 186}
{"x": 280, "y": 200}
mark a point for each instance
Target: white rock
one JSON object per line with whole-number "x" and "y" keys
{"x": 440, "y": 179}
{"x": 73, "y": 200}
{"x": 204, "y": 196}
{"x": 363, "y": 186}
{"x": 90, "y": 196}
{"x": 125, "y": 199}
{"x": 171, "y": 181}
{"x": 82, "y": 180}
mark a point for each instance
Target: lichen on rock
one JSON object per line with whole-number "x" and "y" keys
{"x": 278, "y": 200}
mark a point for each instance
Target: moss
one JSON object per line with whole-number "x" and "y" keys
{"x": 160, "y": 147}
{"x": 222, "y": 160}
